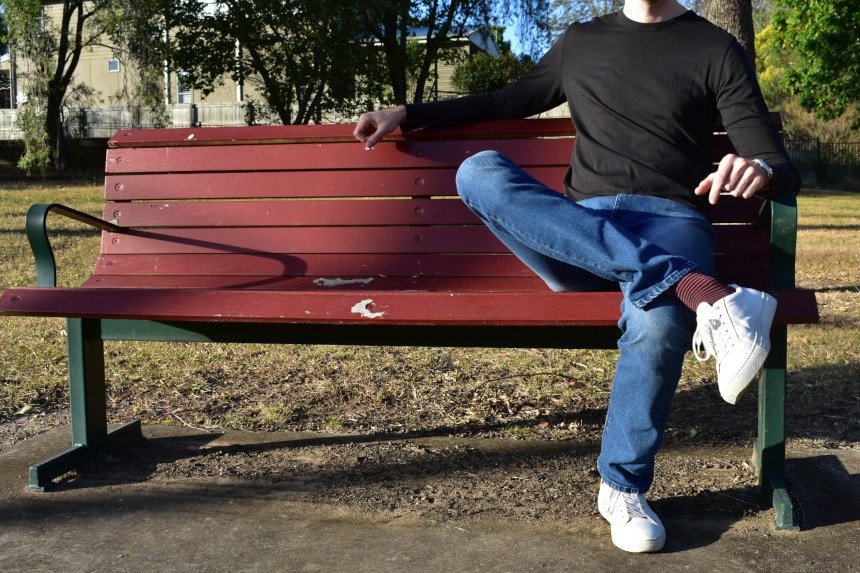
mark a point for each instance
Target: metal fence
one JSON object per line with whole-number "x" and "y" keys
{"x": 822, "y": 163}
{"x": 103, "y": 122}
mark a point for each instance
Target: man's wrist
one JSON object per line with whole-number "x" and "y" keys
{"x": 768, "y": 171}
{"x": 401, "y": 114}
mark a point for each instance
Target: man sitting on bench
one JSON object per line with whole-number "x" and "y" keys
{"x": 645, "y": 87}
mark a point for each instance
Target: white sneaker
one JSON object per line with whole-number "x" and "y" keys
{"x": 735, "y": 331}
{"x": 635, "y": 527}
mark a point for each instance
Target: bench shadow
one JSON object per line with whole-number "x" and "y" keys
{"x": 700, "y": 520}
{"x": 825, "y": 492}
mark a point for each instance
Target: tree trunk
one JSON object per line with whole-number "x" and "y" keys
{"x": 54, "y": 124}
{"x": 389, "y": 23}
{"x": 734, "y": 16}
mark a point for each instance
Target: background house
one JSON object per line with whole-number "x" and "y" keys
{"x": 109, "y": 80}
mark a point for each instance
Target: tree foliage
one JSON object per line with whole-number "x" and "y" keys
{"x": 28, "y": 39}
{"x": 824, "y": 40}
{"x": 136, "y": 31}
{"x": 49, "y": 46}
{"x": 304, "y": 54}
{"x": 389, "y": 22}
{"x": 313, "y": 56}
{"x": 564, "y": 12}
{"x": 482, "y": 72}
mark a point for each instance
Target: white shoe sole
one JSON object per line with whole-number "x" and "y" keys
{"x": 639, "y": 546}
{"x": 755, "y": 360}
{"x": 633, "y": 545}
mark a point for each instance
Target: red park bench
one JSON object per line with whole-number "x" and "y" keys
{"x": 297, "y": 234}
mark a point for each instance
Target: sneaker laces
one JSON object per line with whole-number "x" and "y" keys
{"x": 703, "y": 338}
{"x": 633, "y": 506}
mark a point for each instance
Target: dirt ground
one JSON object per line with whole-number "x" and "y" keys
{"x": 425, "y": 475}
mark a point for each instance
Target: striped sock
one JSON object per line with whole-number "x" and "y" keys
{"x": 695, "y": 288}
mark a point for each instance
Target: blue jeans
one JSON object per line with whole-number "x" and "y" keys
{"x": 639, "y": 243}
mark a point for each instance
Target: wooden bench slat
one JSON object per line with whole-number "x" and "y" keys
{"x": 368, "y": 307}
{"x": 367, "y": 239}
{"x": 736, "y": 210}
{"x": 199, "y": 136}
{"x": 317, "y": 212}
{"x": 327, "y": 307}
{"x": 313, "y": 285}
{"x": 316, "y": 265}
{"x": 345, "y": 265}
{"x": 298, "y": 184}
{"x": 345, "y": 282}
{"x": 454, "y": 239}
{"x": 336, "y": 156}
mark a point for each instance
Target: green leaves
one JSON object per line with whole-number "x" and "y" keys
{"x": 298, "y": 53}
{"x": 824, "y": 36}
{"x": 482, "y": 72}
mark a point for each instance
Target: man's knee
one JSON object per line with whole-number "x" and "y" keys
{"x": 475, "y": 174}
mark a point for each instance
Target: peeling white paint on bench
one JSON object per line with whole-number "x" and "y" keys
{"x": 340, "y": 282}
{"x": 362, "y": 309}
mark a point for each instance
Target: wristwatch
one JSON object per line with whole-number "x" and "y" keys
{"x": 767, "y": 168}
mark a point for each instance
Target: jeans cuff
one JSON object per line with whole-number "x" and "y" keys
{"x": 619, "y": 487}
{"x": 663, "y": 286}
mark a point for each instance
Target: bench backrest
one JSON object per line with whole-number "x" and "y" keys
{"x": 258, "y": 206}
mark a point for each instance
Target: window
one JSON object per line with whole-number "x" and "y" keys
{"x": 184, "y": 91}
{"x": 5, "y": 90}
{"x": 113, "y": 65}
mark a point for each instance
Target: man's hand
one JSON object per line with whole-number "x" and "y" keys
{"x": 374, "y": 125}
{"x": 738, "y": 176}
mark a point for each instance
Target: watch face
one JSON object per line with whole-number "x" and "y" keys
{"x": 765, "y": 166}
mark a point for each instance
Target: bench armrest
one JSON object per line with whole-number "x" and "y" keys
{"x": 783, "y": 239}
{"x": 37, "y": 234}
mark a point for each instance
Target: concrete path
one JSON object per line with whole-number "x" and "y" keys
{"x": 97, "y": 523}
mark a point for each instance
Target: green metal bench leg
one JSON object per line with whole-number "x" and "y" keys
{"x": 90, "y": 434}
{"x": 770, "y": 446}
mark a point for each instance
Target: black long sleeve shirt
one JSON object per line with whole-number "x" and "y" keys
{"x": 644, "y": 99}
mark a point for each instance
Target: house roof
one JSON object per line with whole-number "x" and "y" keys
{"x": 480, "y": 37}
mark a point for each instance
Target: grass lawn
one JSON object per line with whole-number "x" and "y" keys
{"x": 541, "y": 393}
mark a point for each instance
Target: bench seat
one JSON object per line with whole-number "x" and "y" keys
{"x": 448, "y": 302}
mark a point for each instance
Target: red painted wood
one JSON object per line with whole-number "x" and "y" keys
{"x": 323, "y": 212}
{"x": 315, "y": 265}
{"x": 190, "y": 137}
{"x": 341, "y": 281}
{"x": 742, "y": 240}
{"x": 322, "y": 158}
{"x": 298, "y": 184}
{"x": 730, "y": 268}
{"x": 366, "y": 239}
{"x": 403, "y": 308}
{"x": 355, "y": 212}
{"x": 734, "y": 210}
{"x": 377, "y": 239}
{"x": 499, "y": 129}
{"x": 312, "y": 285}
